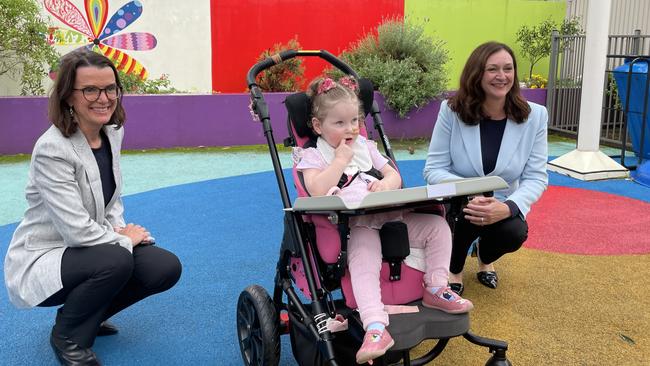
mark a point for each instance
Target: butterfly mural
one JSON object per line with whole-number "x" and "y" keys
{"x": 101, "y": 36}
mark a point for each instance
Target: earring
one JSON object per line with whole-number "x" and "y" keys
{"x": 71, "y": 110}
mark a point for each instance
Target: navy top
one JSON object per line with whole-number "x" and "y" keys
{"x": 491, "y": 136}
{"x": 104, "y": 159}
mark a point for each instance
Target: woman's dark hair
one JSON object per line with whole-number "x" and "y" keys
{"x": 468, "y": 101}
{"x": 58, "y": 108}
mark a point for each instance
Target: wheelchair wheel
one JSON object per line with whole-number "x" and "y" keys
{"x": 258, "y": 327}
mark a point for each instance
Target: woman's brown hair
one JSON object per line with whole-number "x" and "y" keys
{"x": 468, "y": 101}
{"x": 58, "y": 107}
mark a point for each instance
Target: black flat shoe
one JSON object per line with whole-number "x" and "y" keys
{"x": 458, "y": 288}
{"x": 106, "y": 329}
{"x": 71, "y": 354}
{"x": 488, "y": 278}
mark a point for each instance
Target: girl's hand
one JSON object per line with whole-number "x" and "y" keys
{"x": 136, "y": 233}
{"x": 378, "y": 185}
{"x": 483, "y": 211}
{"x": 343, "y": 152}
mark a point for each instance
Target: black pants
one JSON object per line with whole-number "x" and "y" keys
{"x": 102, "y": 280}
{"x": 505, "y": 236}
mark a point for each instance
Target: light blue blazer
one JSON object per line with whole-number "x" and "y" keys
{"x": 65, "y": 209}
{"x": 455, "y": 152}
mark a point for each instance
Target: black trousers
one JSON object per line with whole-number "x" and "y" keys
{"x": 102, "y": 280}
{"x": 505, "y": 236}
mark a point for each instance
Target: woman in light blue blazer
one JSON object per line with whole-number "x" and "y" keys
{"x": 73, "y": 247}
{"x": 488, "y": 129}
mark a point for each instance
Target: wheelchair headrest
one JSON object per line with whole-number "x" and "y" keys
{"x": 299, "y": 110}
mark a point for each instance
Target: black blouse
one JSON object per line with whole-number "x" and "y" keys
{"x": 104, "y": 159}
{"x": 491, "y": 136}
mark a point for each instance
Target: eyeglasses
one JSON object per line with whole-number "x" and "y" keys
{"x": 92, "y": 93}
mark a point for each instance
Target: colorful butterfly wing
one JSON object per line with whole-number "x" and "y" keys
{"x": 66, "y": 37}
{"x": 123, "y": 61}
{"x": 139, "y": 41}
{"x": 97, "y": 12}
{"x": 66, "y": 12}
{"x": 122, "y": 18}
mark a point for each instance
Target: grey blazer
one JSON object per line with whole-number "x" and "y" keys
{"x": 65, "y": 209}
{"x": 455, "y": 152}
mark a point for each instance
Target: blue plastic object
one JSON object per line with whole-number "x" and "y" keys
{"x": 637, "y": 93}
{"x": 642, "y": 174}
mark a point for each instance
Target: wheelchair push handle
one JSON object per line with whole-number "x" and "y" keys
{"x": 289, "y": 54}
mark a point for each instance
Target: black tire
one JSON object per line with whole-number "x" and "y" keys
{"x": 258, "y": 327}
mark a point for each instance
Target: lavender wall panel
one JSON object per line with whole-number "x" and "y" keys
{"x": 159, "y": 121}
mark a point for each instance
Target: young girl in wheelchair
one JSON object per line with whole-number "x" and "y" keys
{"x": 347, "y": 164}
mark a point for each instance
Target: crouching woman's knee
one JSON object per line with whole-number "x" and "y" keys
{"x": 172, "y": 274}
{"x": 515, "y": 233}
{"x": 164, "y": 274}
{"x": 114, "y": 262}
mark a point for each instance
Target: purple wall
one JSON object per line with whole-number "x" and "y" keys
{"x": 157, "y": 121}
{"x": 420, "y": 123}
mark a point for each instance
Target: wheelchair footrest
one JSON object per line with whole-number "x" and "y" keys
{"x": 409, "y": 329}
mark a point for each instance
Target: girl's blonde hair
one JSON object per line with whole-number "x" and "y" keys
{"x": 325, "y": 93}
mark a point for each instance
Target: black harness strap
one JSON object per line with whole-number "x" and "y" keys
{"x": 346, "y": 180}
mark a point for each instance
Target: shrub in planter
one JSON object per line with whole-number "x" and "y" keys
{"x": 535, "y": 81}
{"x": 403, "y": 63}
{"x": 285, "y": 77}
{"x": 133, "y": 84}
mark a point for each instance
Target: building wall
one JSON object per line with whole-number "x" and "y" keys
{"x": 181, "y": 30}
{"x": 190, "y": 120}
{"x": 184, "y": 42}
{"x": 209, "y": 45}
{"x": 242, "y": 30}
{"x": 626, "y": 15}
{"x": 464, "y": 24}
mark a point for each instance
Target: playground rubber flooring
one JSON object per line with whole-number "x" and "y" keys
{"x": 575, "y": 294}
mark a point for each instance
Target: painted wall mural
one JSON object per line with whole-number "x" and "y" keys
{"x": 209, "y": 45}
{"x": 93, "y": 31}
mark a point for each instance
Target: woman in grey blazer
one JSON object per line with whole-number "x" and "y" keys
{"x": 73, "y": 247}
{"x": 488, "y": 129}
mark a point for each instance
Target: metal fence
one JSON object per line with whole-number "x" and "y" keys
{"x": 565, "y": 83}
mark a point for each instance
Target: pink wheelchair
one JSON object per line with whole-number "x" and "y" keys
{"x": 319, "y": 316}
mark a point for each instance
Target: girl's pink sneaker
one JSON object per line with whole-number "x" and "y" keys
{"x": 375, "y": 344}
{"x": 446, "y": 300}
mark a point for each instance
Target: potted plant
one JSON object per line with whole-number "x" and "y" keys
{"x": 287, "y": 76}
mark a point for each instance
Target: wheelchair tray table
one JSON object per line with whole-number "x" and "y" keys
{"x": 401, "y": 198}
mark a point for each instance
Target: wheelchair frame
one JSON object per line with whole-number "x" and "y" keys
{"x": 262, "y": 319}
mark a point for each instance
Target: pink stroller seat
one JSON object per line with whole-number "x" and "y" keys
{"x": 394, "y": 291}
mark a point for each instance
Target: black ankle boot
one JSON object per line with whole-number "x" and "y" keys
{"x": 70, "y": 353}
{"x": 106, "y": 329}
